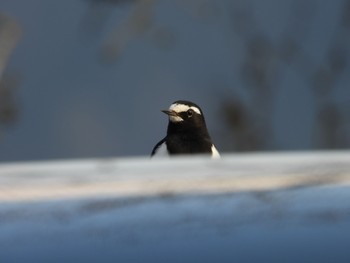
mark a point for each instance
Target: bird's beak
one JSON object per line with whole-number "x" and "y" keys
{"x": 170, "y": 112}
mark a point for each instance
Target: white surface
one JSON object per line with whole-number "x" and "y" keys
{"x": 250, "y": 208}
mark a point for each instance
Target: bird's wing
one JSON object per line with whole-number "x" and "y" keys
{"x": 160, "y": 149}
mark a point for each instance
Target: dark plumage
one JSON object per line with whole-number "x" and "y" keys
{"x": 187, "y": 132}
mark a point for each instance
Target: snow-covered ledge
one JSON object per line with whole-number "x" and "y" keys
{"x": 271, "y": 207}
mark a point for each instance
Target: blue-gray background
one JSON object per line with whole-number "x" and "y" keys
{"x": 89, "y": 78}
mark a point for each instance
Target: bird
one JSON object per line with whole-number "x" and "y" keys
{"x": 187, "y": 132}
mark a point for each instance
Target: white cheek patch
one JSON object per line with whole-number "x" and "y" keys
{"x": 175, "y": 118}
{"x": 183, "y": 108}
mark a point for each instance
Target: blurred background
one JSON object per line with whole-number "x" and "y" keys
{"x": 88, "y": 78}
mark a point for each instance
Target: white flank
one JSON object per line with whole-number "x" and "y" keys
{"x": 161, "y": 151}
{"x": 215, "y": 153}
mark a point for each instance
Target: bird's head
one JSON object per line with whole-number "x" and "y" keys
{"x": 185, "y": 113}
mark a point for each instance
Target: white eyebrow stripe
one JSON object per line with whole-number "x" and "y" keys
{"x": 183, "y": 108}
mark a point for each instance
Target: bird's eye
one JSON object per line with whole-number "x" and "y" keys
{"x": 189, "y": 113}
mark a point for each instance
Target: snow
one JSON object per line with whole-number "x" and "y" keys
{"x": 282, "y": 207}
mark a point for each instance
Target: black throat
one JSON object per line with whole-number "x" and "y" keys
{"x": 187, "y": 138}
